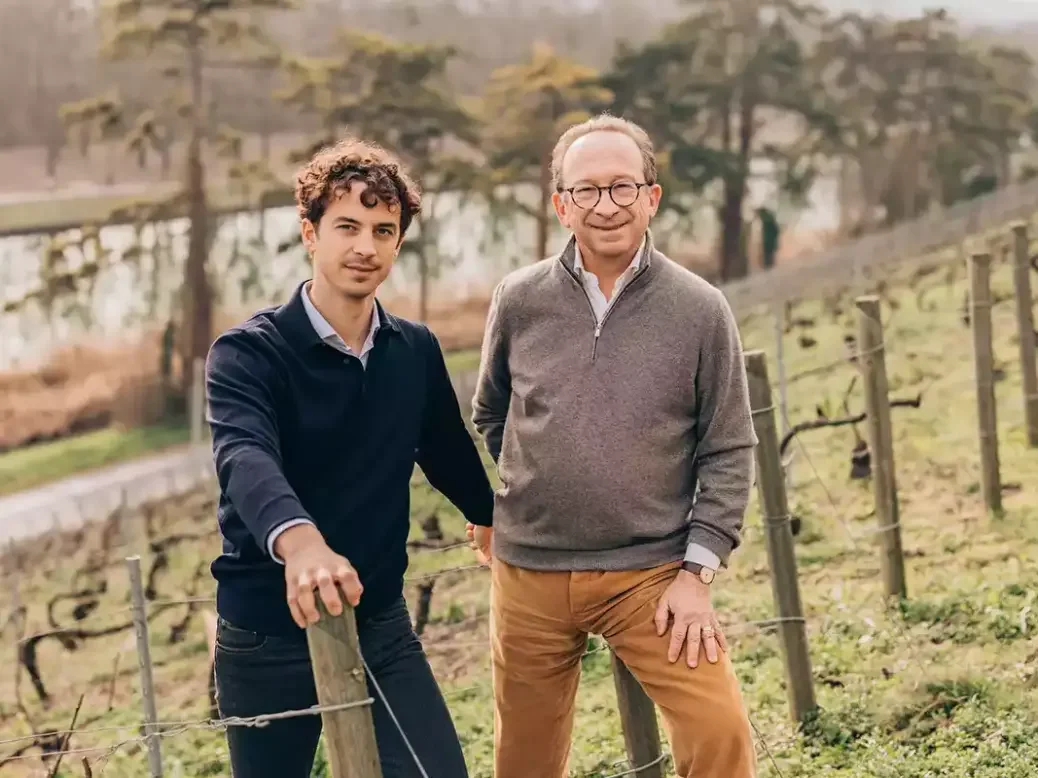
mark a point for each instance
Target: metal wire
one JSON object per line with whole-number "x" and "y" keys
{"x": 180, "y": 728}
{"x": 396, "y": 721}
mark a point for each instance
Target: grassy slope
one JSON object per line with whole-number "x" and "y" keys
{"x": 25, "y": 468}
{"x": 944, "y": 686}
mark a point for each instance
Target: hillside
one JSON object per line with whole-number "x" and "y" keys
{"x": 943, "y": 685}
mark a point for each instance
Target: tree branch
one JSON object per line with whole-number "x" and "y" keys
{"x": 65, "y": 740}
{"x": 814, "y": 424}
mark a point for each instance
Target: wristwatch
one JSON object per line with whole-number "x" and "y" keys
{"x": 702, "y": 572}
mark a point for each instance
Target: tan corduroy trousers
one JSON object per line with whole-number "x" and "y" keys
{"x": 539, "y": 623}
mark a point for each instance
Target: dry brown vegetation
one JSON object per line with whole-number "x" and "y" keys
{"x": 81, "y": 388}
{"x": 90, "y": 386}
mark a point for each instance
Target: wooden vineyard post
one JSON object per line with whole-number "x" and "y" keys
{"x": 638, "y": 718}
{"x": 196, "y": 404}
{"x": 771, "y": 488}
{"x": 780, "y": 362}
{"x": 140, "y": 625}
{"x": 980, "y": 319}
{"x": 1025, "y": 330}
{"x": 340, "y": 678}
{"x": 872, "y": 361}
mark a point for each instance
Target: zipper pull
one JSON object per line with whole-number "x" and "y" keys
{"x": 594, "y": 348}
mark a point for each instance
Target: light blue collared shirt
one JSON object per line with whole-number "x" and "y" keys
{"x": 328, "y": 334}
{"x": 331, "y": 337}
{"x": 599, "y": 302}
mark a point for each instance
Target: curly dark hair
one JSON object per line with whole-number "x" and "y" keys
{"x": 333, "y": 169}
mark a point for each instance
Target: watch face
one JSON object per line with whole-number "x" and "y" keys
{"x": 706, "y": 575}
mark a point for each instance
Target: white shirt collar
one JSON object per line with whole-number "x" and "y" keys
{"x": 326, "y": 332}
{"x": 633, "y": 267}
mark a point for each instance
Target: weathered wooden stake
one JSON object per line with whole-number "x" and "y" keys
{"x": 140, "y": 625}
{"x": 1025, "y": 329}
{"x": 980, "y": 319}
{"x": 340, "y": 678}
{"x": 638, "y": 719}
{"x": 780, "y": 362}
{"x": 785, "y": 588}
{"x": 873, "y": 364}
{"x": 196, "y": 406}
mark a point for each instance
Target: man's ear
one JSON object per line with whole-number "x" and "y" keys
{"x": 561, "y": 208}
{"x": 309, "y": 234}
{"x": 655, "y": 196}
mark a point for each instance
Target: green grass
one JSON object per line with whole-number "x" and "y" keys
{"x": 942, "y": 685}
{"x": 35, "y": 465}
{"x": 463, "y": 361}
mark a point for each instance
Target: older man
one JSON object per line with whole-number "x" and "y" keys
{"x": 613, "y": 397}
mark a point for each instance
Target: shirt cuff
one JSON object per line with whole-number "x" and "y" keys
{"x": 701, "y": 555}
{"x": 274, "y": 533}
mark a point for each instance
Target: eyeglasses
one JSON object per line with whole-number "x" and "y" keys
{"x": 623, "y": 193}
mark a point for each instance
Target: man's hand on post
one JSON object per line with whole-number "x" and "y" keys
{"x": 480, "y": 539}
{"x": 695, "y": 623}
{"x": 310, "y": 563}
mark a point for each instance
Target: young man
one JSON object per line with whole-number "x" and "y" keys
{"x": 611, "y": 386}
{"x": 319, "y": 410}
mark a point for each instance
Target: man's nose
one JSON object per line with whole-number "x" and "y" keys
{"x": 605, "y": 205}
{"x": 365, "y": 244}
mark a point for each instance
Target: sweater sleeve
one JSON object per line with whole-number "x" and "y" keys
{"x": 724, "y": 456}
{"x": 447, "y": 453}
{"x": 494, "y": 384}
{"x": 242, "y": 415}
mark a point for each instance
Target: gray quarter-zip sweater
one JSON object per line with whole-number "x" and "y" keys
{"x": 603, "y": 434}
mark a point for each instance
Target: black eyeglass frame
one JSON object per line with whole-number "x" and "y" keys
{"x": 637, "y": 192}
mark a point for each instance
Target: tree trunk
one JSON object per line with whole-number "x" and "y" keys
{"x": 912, "y": 170}
{"x": 869, "y": 192}
{"x": 264, "y": 132}
{"x": 734, "y": 261}
{"x": 197, "y": 299}
{"x": 734, "y": 264}
{"x": 53, "y": 156}
{"x": 543, "y": 214}
{"x": 109, "y": 161}
{"x": 423, "y": 285}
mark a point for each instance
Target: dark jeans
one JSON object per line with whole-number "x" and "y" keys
{"x": 257, "y": 674}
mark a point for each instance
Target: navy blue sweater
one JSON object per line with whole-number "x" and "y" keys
{"x": 301, "y": 430}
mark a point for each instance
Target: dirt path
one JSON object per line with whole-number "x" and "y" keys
{"x": 80, "y": 498}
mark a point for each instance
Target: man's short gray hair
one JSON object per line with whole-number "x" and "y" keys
{"x": 604, "y": 123}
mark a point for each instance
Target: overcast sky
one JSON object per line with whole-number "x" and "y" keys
{"x": 977, "y": 11}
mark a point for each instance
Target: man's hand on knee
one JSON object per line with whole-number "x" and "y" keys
{"x": 687, "y": 599}
{"x": 310, "y": 564}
